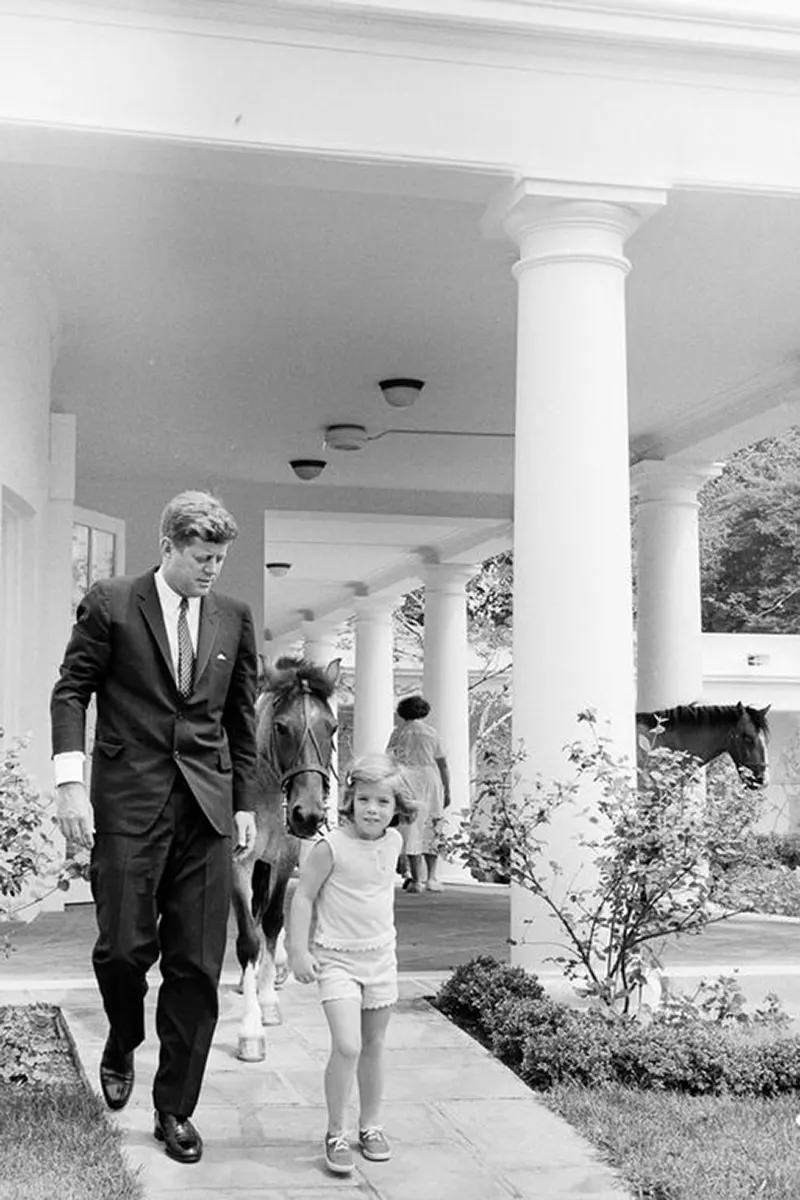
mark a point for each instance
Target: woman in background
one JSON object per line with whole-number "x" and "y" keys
{"x": 415, "y": 744}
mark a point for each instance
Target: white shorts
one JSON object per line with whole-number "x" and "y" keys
{"x": 366, "y": 975}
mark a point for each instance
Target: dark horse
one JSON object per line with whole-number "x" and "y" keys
{"x": 707, "y": 730}
{"x": 295, "y": 727}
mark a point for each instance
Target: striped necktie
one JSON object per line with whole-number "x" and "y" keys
{"x": 185, "y": 651}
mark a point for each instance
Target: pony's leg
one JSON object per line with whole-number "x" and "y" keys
{"x": 247, "y": 933}
{"x": 252, "y": 1045}
{"x": 269, "y": 1008}
{"x": 282, "y": 944}
{"x": 251, "y": 1041}
{"x": 272, "y": 926}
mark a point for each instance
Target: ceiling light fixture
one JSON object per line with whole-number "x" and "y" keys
{"x": 278, "y": 568}
{"x": 401, "y": 393}
{"x": 308, "y": 468}
{"x": 345, "y": 437}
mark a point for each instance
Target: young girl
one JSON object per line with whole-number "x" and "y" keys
{"x": 346, "y": 887}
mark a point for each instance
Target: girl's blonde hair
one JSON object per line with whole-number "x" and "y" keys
{"x": 380, "y": 768}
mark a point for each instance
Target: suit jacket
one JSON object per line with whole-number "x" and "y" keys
{"x": 145, "y": 730}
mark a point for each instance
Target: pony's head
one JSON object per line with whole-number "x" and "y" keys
{"x": 294, "y": 733}
{"x": 747, "y": 743}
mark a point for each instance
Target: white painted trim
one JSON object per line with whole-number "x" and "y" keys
{"x": 750, "y": 28}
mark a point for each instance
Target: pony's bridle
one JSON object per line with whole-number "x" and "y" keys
{"x": 298, "y": 766}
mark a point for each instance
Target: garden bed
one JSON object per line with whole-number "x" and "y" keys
{"x": 698, "y": 1103}
{"x": 55, "y": 1137}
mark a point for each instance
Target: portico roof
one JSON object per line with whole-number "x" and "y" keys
{"x": 223, "y": 302}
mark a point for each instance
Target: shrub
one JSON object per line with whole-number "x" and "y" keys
{"x": 579, "y": 1048}
{"x": 515, "y": 1019}
{"x": 649, "y": 836}
{"x": 30, "y": 862}
{"x": 707, "y": 1044}
{"x": 471, "y": 994}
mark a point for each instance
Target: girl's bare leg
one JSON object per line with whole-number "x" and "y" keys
{"x": 344, "y": 1022}
{"x": 374, "y": 1023}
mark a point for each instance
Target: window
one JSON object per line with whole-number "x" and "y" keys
{"x": 98, "y": 550}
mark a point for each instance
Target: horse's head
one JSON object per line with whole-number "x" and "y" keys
{"x": 295, "y": 731}
{"x": 747, "y": 744}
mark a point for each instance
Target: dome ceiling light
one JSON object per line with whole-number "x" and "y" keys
{"x": 401, "y": 393}
{"x": 345, "y": 437}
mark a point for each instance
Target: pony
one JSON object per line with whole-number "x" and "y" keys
{"x": 295, "y": 728}
{"x": 707, "y": 730}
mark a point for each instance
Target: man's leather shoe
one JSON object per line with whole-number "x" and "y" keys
{"x": 116, "y": 1074}
{"x": 181, "y": 1140}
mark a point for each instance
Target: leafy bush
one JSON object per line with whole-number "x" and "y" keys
{"x": 515, "y": 1018}
{"x": 471, "y": 994}
{"x": 651, "y": 841}
{"x": 579, "y": 1048}
{"x": 781, "y": 849}
{"x": 30, "y": 862}
{"x": 759, "y": 887}
{"x": 707, "y": 1044}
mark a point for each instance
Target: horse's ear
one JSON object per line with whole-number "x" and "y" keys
{"x": 332, "y": 671}
{"x": 271, "y": 675}
{"x": 740, "y": 708}
{"x": 762, "y": 712}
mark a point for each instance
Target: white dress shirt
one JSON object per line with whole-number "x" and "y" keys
{"x": 68, "y": 766}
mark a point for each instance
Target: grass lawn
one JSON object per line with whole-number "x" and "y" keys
{"x": 56, "y": 1140}
{"x": 670, "y": 1146}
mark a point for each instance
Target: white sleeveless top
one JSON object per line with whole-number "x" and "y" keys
{"x": 354, "y": 909}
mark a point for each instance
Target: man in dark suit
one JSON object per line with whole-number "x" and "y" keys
{"x": 173, "y": 670}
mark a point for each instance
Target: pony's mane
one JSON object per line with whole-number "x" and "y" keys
{"x": 703, "y": 715}
{"x": 290, "y": 673}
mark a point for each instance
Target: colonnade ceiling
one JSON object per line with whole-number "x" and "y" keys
{"x": 220, "y": 310}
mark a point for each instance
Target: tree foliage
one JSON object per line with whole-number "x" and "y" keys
{"x": 750, "y": 540}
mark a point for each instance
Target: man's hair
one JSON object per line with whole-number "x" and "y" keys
{"x": 193, "y": 515}
{"x": 379, "y": 768}
{"x": 413, "y": 708}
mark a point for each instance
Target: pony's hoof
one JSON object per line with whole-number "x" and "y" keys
{"x": 252, "y": 1049}
{"x": 271, "y": 1015}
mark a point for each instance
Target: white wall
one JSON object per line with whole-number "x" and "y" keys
{"x": 27, "y": 340}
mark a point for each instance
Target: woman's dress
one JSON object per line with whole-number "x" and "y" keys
{"x": 416, "y": 745}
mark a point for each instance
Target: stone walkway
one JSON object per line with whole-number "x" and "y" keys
{"x": 463, "y": 1127}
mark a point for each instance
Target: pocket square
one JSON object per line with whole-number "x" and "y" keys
{"x": 224, "y": 657}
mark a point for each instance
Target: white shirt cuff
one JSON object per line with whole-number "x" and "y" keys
{"x": 68, "y": 766}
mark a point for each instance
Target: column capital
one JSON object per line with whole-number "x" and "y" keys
{"x": 672, "y": 481}
{"x": 374, "y": 606}
{"x": 320, "y": 628}
{"x": 448, "y": 577}
{"x": 550, "y": 219}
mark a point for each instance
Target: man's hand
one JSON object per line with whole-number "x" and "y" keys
{"x": 74, "y": 814}
{"x": 245, "y": 827}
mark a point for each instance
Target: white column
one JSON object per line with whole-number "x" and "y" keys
{"x": 321, "y": 641}
{"x": 573, "y": 637}
{"x": 445, "y": 683}
{"x": 669, "y": 627}
{"x": 373, "y": 706}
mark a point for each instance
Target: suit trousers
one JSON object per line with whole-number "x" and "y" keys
{"x": 164, "y": 893}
